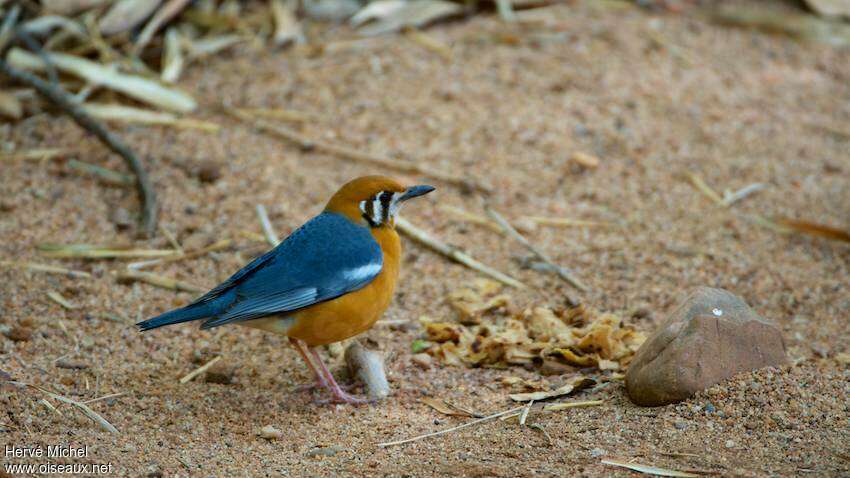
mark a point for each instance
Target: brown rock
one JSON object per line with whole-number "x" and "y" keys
{"x": 220, "y": 374}
{"x": 19, "y": 333}
{"x": 712, "y": 336}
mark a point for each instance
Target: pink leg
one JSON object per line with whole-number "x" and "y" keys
{"x": 302, "y": 349}
{"x": 339, "y": 395}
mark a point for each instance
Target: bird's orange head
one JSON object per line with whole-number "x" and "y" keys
{"x": 373, "y": 200}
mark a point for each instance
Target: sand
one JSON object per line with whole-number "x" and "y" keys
{"x": 509, "y": 109}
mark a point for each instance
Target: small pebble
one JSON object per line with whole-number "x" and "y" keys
{"x": 270, "y": 433}
{"x": 709, "y": 408}
{"x": 422, "y": 360}
{"x": 730, "y": 444}
{"x": 680, "y": 425}
{"x": 597, "y": 452}
{"x": 329, "y": 451}
{"x": 19, "y": 334}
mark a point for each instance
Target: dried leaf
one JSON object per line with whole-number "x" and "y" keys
{"x": 392, "y": 15}
{"x": 212, "y": 45}
{"x": 125, "y": 15}
{"x": 473, "y": 302}
{"x": 142, "y": 89}
{"x": 443, "y": 407}
{"x": 577, "y": 383}
{"x": 648, "y": 469}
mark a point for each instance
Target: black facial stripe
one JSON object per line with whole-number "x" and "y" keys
{"x": 386, "y": 197}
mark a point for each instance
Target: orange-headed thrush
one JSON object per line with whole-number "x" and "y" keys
{"x": 331, "y": 279}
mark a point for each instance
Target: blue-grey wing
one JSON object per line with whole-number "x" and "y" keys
{"x": 325, "y": 258}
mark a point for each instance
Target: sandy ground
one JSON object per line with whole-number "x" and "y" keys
{"x": 508, "y": 109}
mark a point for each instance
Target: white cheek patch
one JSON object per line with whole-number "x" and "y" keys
{"x": 362, "y": 272}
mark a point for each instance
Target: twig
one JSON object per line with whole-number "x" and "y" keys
{"x": 63, "y": 100}
{"x": 46, "y": 268}
{"x": 157, "y": 280}
{"x": 454, "y": 253}
{"x": 107, "y": 175}
{"x": 268, "y": 230}
{"x": 277, "y": 114}
{"x": 449, "y": 430}
{"x": 563, "y": 273}
{"x": 351, "y": 153}
{"x": 203, "y": 368}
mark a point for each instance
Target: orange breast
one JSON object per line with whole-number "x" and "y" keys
{"x": 353, "y": 313}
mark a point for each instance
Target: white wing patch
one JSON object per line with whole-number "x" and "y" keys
{"x": 359, "y": 273}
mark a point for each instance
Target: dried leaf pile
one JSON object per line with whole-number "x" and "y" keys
{"x": 486, "y": 333}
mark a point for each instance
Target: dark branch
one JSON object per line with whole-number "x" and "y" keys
{"x": 59, "y": 97}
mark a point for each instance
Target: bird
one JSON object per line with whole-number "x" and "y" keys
{"x": 329, "y": 280}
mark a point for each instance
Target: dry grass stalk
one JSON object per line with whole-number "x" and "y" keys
{"x": 203, "y": 368}
{"x": 525, "y": 411}
{"x": 471, "y": 217}
{"x": 730, "y": 198}
{"x": 276, "y": 114}
{"x": 82, "y": 406}
{"x": 351, "y": 153}
{"x": 218, "y": 246}
{"x": 106, "y": 175}
{"x": 57, "y": 297}
{"x": 648, "y": 469}
{"x": 565, "y": 222}
{"x": 428, "y": 42}
{"x": 128, "y": 114}
{"x": 452, "y": 429}
{"x": 563, "y": 273}
{"x": 553, "y": 407}
{"x": 35, "y": 154}
{"x": 85, "y": 251}
{"x": 704, "y": 188}
{"x": 157, "y": 280}
{"x": 105, "y": 397}
{"x": 47, "y": 268}
{"x": 268, "y": 231}
{"x": 454, "y": 253}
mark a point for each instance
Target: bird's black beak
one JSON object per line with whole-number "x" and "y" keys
{"x": 416, "y": 191}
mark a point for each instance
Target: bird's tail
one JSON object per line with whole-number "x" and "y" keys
{"x": 191, "y": 312}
